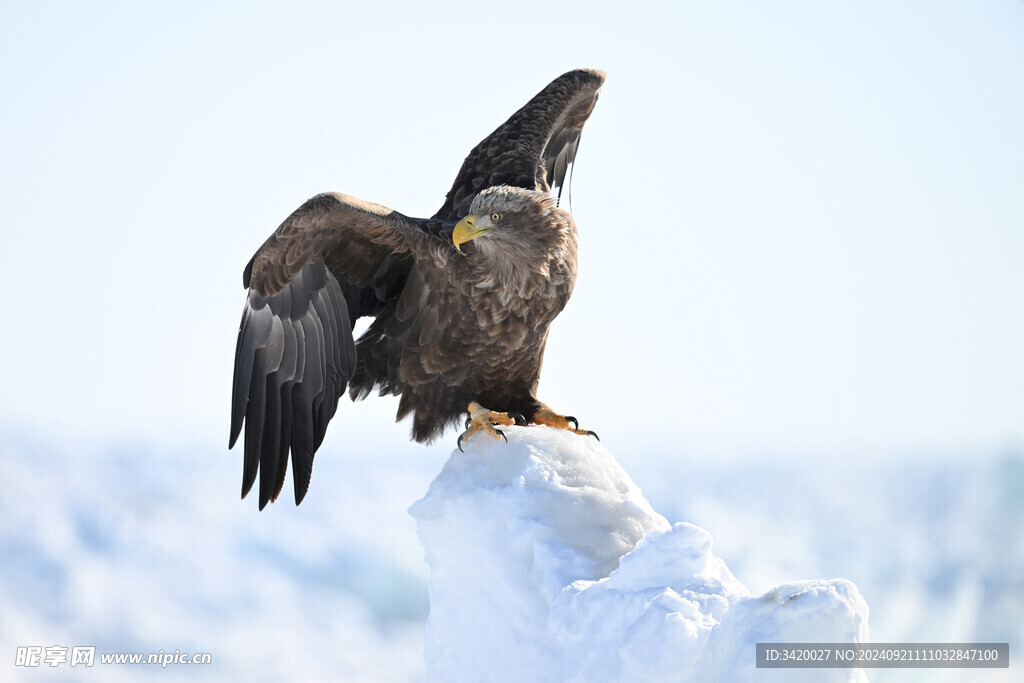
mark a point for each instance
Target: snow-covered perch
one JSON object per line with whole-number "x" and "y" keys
{"x": 548, "y": 564}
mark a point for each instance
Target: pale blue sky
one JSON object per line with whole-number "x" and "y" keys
{"x": 802, "y": 223}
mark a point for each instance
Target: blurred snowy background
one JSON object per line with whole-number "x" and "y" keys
{"x": 797, "y": 325}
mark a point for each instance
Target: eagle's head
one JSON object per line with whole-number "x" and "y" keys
{"x": 508, "y": 216}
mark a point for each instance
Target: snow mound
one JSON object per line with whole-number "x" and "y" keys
{"x": 548, "y": 564}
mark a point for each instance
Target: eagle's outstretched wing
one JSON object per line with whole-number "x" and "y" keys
{"x": 334, "y": 259}
{"x": 534, "y": 148}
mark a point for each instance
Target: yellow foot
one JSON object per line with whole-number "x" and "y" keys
{"x": 483, "y": 420}
{"x": 546, "y": 416}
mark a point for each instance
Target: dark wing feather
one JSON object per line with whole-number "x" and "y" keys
{"x": 332, "y": 260}
{"x": 534, "y": 148}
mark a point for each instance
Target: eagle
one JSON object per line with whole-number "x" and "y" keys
{"x": 461, "y": 303}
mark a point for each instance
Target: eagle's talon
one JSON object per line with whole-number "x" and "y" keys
{"x": 459, "y": 442}
{"x": 483, "y": 420}
{"x": 518, "y": 417}
{"x": 546, "y": 416}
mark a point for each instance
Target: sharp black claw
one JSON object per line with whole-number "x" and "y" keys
{"x": 593, "y": 434}
{"x": 459, "y": 442}
{"x": 469, "y": 421}
{"x": 502, "y": 435}
{"x": 519, "y": 419}
{"x": 576, "y": 423}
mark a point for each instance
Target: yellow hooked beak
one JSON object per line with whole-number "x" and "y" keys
{"x": 468, "y": 228}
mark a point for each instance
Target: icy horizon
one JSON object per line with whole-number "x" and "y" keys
{"x": 148, "y": 547}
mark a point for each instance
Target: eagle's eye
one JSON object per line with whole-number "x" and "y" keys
{"x": 495, "y": 217}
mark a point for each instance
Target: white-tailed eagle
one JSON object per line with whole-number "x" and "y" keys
{"x": 461, "y": 302}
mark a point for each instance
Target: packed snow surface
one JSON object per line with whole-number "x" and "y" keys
{"x": 548, "y": 564}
